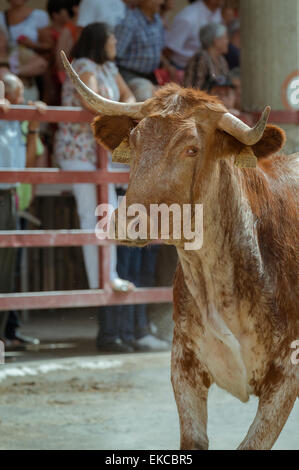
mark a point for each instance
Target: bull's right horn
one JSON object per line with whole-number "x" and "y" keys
{"x": 99, "y": 103}
{"x": 238, "y": 129}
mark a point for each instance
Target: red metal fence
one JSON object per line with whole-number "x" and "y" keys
{"x": 51, "y": 238}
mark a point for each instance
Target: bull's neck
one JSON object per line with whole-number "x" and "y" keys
{"x": 229, "y": 234}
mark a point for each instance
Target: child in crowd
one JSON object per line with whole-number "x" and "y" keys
{"x": 69, "y": 35}
{"x": 60, "y": 12}
{"x": 48, "y": 36}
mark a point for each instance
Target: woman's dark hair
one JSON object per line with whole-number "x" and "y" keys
{"x": 55, "y": 6}
{"x": 69, "y": 6}
{"x": 92, "y": 42}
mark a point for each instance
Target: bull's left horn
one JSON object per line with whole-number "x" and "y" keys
{"x": 99, "y": 103}
{"x": 238, "y": 129}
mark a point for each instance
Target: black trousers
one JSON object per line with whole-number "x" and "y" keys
{"x": 8, "y": 256}
{"x": 129, "y": 322}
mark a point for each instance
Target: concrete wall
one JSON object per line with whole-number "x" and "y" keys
{"x": 270, "y": 52}
{"x": 270, "y": 56}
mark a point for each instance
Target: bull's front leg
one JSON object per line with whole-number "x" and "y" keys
{"x": 190, "y": 383}
{"x": 275, "y": 405}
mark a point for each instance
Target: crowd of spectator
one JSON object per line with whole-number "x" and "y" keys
{"x": 123, "y": 50}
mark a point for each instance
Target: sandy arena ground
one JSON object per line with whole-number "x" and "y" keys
{"x": 111, "y": 402}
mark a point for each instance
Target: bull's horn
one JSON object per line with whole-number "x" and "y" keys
{"x": 238, "y": 129}
{"x": 97, "y": 102}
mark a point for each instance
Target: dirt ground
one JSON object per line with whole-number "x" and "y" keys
{"x": 111, "y": 402}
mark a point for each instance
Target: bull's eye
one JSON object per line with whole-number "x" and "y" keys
{"x": 191, "y": 151}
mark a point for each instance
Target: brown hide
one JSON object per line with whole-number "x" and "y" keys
{"x": 245, "y": 276}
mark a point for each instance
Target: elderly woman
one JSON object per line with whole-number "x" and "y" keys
{"x": 208, "y": 64}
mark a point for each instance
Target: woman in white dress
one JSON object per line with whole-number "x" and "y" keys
{"x": 75, "y": 146}
{"x": 75, "y": 149}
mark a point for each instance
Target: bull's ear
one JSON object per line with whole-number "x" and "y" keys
{"x": 272, "y": 141}
{"x": 110, "y": 131}
{"x": 246, "y": 157}
{"x": 122, "y": 153}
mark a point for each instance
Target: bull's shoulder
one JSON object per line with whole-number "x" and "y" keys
{"x": 273, "y": 189}
{"x": 272, "y": 192}
{"x": 281, "y": 169}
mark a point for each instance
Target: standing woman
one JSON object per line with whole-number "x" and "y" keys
{"x": 75, "y": 150}
{"x": 75, "y": 146}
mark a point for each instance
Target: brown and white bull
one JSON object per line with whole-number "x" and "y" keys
{"x": 236, "y": 300}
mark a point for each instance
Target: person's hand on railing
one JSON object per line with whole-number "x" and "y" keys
{"x": 4, "y": 103}
{"x": 41, "y": 107}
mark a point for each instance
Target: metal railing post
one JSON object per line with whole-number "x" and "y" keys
{"x": 103, "y": 198}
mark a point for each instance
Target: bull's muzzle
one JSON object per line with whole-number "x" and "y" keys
{"x": 127, "y": 229}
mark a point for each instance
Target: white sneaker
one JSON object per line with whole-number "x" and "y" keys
{"x": 153, "y": 343}
{"x": 121, "y": 285}
{"x": 153, "y": 328}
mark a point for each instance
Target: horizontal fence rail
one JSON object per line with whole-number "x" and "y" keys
{"x": 52, "y": 114}
{"x": 51, "y": 238}
{"x": 83, "y": 298}
{"x": 55, "y": 176}
{"x": 72, "y": 114}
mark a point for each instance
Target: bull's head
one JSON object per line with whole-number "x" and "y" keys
{"x": 173, "y": 142}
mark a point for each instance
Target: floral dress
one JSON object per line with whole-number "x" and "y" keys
{"x": 75, "y": 141}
